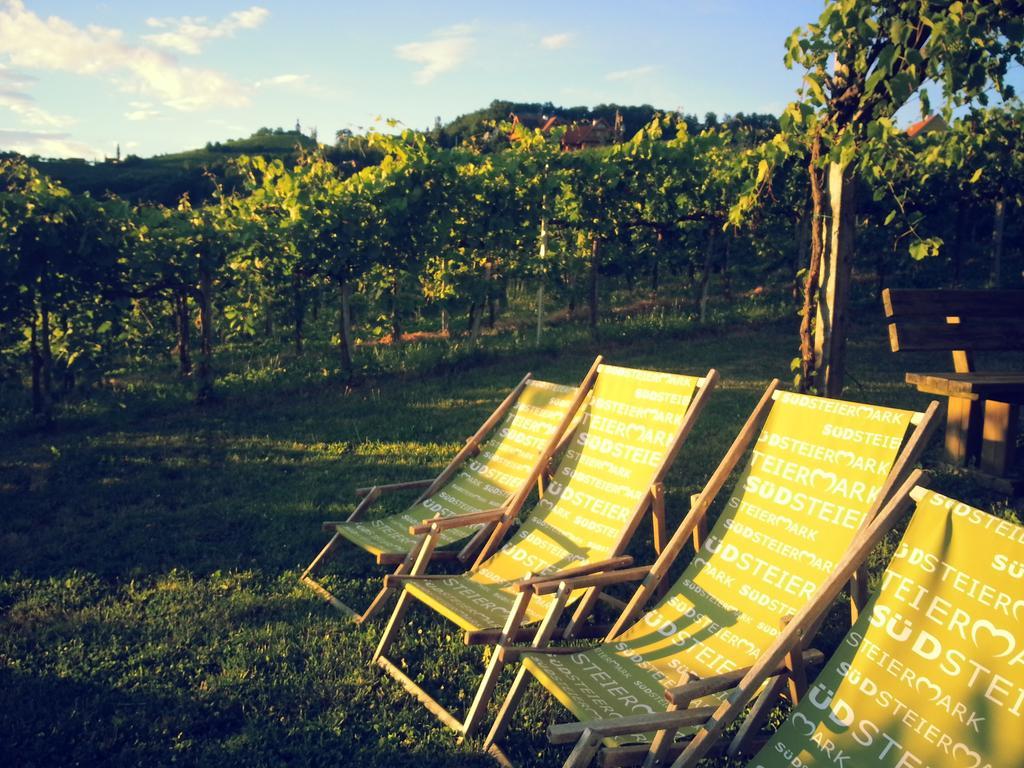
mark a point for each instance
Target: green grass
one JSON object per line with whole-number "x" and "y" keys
{"x": 149, "y": 608}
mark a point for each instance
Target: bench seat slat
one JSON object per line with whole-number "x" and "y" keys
{"x": 1008, "y": 387}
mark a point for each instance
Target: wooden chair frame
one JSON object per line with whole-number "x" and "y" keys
{"x": 403, "y": 560}
{"x": 787, "y": 673}
{"x": 513, "y": 628}
{"x": 744, "y": 683}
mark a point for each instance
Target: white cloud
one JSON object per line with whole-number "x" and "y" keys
{"x": 187, "y": 33}
{"x": 556, "y": 41}
{"x": 31, "y": 114}
{"x": 629, "y": 74}
{"x": 14, "y": 97}
{"x": 56, "y": 44}
{"x": 443, "y": 54}
{"x": 141, "y": 114}
{"x": 283, "y": 80}
{"x": 46, "y": 144}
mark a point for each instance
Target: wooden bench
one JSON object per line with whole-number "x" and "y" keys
{"x": 983, "y": 407}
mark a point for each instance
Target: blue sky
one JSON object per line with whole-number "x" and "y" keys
{"x": 78, "y": 78}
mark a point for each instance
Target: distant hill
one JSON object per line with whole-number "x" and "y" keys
{"x": 165, "y": 178}
{"x": 750, "y": 128}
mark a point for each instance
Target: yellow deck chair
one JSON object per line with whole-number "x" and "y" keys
{"x": 494, "y": 467}
{"x": 610, "y": 473}
{"x": 931, "y": 674}
{"x": 818, "y": 470}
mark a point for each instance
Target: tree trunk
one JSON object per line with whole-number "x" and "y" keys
{"x": 998, "y": 226}
{"x": 595, "y": 261}
{"x": 659, "y": 246}
{"x": 705, "y": 277}
{"x": 834, "y": 283}
{"x": 204, "y": 371}
{"x": 475, "y": 321}
{"x": 540, "y": 311}
{"x": 298, "y": 310}
{"x": 810, "y": 308}
{"x": 38, "y": 404}
{"x": 542, "y": 257}
{"x": 503, "y": 295}
{"x": 47, "y": 357}
{"x": 803, "y": 239}
{"x": 489, "y": 295}
{"x": 726, "y": 277}
{"x": 345, "y": 326}
{"x": 444, "y": 321}
{"x": 182, "y": 320}
{"x": 396, "y": 324}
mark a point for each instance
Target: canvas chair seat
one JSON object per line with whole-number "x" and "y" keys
{"x": 589, "y": 503}
{"x": 932, "y": 673}
{"x": 485, "y": 482}
{"x": 496, "y": 468}
{"x": 391, "y": 533}
{"x": 817, "y": 473}
{"x": 794, "y": 511}
{"x": 609, "y": 474}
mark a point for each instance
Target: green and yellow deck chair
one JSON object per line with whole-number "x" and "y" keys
{"x": 931, "y": 674}
{"x": 499, "y": 463}
{"x": 818, "y": 470}
{"x": 610, "y": 473}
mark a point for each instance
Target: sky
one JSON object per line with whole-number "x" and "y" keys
{"x": 79, "y": 78}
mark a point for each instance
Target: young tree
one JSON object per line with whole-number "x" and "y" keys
{"x": 864, "y": 59}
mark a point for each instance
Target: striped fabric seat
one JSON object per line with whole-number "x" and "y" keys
{"x": 611, "y": 471}
{"x": 485, "y": 482}
{"x": 593, "y": 503}
{"x": 932, "y": 674}
{"x": 811, "y": 479}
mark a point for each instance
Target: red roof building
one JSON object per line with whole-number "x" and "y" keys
{"x": 929, "y": 124}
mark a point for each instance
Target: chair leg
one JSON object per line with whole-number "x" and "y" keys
{"x": 660, "y": 746}
{"x": 391, "y": 630}
{"x": 331, "y": 599}
{"x": 483, "y": 694}
{"x": 583, "y": 753}
{"x": 758, "y": 713}
{"x": 540, "y": 639}
{"x": 375, "y": 605}
{"x": 323, "y": 554}
{"x": 496, "y": 664}
{"x": 378, "y": 601}
{"x": 508, "y": 706}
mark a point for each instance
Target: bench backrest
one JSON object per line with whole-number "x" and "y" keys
{"x": 960, "y": 321}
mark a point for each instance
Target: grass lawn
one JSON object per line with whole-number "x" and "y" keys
{"x": 149, "y": 551}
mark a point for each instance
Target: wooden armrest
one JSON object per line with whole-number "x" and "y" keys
{"x": 564, "y": 733}
{"x": 411, "y": 485}
{"x": 623, "y": 561}
{"x": 682, "y": 695}
{"x": 458, "y": 521}
{"x": 593, "y": 580}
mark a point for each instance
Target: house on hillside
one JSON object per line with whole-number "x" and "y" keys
{"x": 533, "y": 120}
{"x": 585, "y": 135}
{"x": 578, "y": 135}
{"x": 928, "y": 125}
